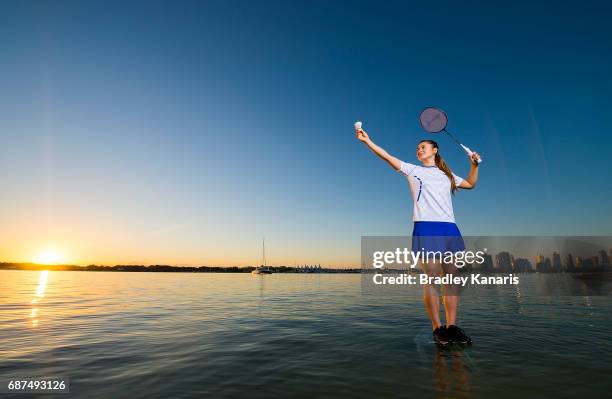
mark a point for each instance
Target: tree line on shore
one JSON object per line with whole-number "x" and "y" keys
{"x": 168, "y": 268}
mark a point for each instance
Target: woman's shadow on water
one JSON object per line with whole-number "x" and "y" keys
{"x": 452, "y": 367}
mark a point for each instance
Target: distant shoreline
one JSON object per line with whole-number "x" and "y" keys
{"x": 170, "y": 269}
{"x": 247, "y": 269}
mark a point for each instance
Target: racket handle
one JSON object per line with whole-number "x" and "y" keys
{"x": 469, "y": 152}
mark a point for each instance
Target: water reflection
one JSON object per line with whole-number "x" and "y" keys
{"x": 262, "y": 289}
{"x": 40, "y": 293}
{"x": 451, "y": 366}
{"x": 452, "y": 371}
{"x": 230, "y": 335}
{"x": 520, "y": 300}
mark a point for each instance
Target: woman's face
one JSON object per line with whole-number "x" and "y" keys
{"x": 425, "y": 150}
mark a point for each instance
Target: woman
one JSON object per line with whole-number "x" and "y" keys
{"x": 434, "y": 224}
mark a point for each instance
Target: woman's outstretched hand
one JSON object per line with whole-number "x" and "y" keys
{"x": 380, "y": 152}
{"x": 474, "y": 158}
{"x": 361, "y": 135}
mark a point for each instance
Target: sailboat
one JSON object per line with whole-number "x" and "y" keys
{"x": 263, "y": 269}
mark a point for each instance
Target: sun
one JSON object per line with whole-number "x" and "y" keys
{"x": 49, "y": 257}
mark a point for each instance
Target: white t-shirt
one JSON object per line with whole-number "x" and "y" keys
{"x": 431, "y": 192}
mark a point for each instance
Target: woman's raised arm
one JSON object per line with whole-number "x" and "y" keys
{"x": 379, "y": 151}
{"x": 472, "y": 178}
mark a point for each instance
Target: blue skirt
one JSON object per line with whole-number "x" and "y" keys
{"x": 437, "y": 236}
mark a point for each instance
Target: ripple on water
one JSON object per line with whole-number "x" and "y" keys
{"x": 184, "y": 335}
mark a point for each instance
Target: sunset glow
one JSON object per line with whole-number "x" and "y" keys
{"x": 49, "y": 257}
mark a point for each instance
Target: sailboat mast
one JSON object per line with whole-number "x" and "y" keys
{"x": 263, "y": 243}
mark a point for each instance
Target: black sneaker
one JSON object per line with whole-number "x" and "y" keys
{"x": 440, "y": 335}
{"x": 456, "y": 334}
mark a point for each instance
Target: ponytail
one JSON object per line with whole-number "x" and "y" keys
{"x": 444, "y": 168}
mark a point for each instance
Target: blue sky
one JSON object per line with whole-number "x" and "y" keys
{"x": 183, "y": 132}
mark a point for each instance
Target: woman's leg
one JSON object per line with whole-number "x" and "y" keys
{"x": 450, "y": 297}
{"x": 430, "y": 294}
{"x": 451, "y": 305}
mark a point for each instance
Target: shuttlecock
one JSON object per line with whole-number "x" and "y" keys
{"x": 357, "y": 125}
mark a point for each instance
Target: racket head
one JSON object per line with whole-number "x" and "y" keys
{"x": 433, "y": 120}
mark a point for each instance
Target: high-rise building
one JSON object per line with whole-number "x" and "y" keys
{"x": 556, "y": 262}
{"x": 521, "y": 265}
{"x": 543, "y": 264}
{"x": 539, "y": 263}
{"x": 603, "y": 258}
{"x": 569, "y": 265}
{"x": 487, "y": 264}
{"x": 503, "y": 262}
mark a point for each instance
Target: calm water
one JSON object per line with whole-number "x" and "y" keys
{"x": 184, "y": 335}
